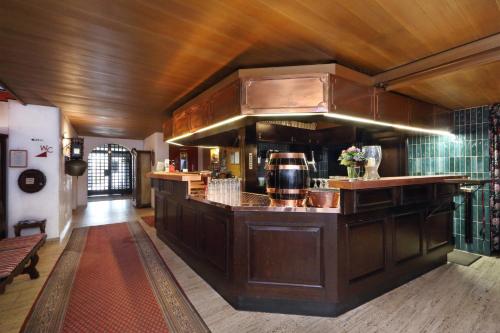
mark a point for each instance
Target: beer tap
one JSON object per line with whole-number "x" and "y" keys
{"x": 312, "y": 162}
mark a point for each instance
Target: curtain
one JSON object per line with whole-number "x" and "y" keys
{"x": 494, "y": 136}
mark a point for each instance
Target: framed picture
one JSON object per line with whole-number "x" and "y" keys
{"x": 18, "y": 158}
{"x": 235, "y": 157}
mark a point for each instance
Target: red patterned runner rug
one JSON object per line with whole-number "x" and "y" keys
{"x": 111, "y": 278}
{"x": 149, "y": 220}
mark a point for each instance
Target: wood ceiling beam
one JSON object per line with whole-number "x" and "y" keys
{"x": 479, "y": 52}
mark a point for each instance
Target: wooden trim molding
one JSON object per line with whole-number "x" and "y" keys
{"x": 479, "y": 52}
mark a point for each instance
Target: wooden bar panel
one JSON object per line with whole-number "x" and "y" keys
{"x": 438, "y": 229}
{"x": 214, "y": 240}
{"x": 285, "y": 255}
{"x": 366, "y": 248}
{"x": 408, "y": 236}
{"x": 416, "y": 194}
{"x": 309, "y": 262}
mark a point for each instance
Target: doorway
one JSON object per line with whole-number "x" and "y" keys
{"x": 109, "y": 170}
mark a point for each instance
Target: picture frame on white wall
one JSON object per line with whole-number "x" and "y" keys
{"x": 18, "y": 158}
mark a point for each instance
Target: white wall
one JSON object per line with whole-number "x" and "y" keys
{"x": 25, "y": 124}
{"x": 155, "y": 143}
{"x": 90, "y": 142}
{"x": 67, "y": 184}
{"x": 4, "y": 117}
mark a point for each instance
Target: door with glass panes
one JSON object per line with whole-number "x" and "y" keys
{"x": 109, "y": 170}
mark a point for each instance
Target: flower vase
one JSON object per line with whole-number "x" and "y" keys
{"x": 352, "y": 172}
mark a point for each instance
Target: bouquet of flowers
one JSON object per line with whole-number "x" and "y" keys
{"x": 352, "y": 157}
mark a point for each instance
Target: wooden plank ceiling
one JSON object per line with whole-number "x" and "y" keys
{"x": 116, "y": 67}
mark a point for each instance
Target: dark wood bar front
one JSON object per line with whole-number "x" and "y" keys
{"x": 309, "y": 260}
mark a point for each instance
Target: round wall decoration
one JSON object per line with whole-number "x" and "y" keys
{"x": 31, "y": 180}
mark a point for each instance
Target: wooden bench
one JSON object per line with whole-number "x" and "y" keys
{"x": 19, "y": 256}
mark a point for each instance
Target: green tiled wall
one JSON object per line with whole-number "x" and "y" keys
{"x": 467, "y": 153}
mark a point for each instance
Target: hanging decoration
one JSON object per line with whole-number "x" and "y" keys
{"x": 494, "y": 136}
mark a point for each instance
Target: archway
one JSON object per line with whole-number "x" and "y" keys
{"x": 109, "y": 170}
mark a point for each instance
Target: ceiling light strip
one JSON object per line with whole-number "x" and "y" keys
{"x": 328, "y": 115}
{"x": 382, "y": 123}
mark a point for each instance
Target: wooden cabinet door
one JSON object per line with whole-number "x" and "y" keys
{"x": 198, "y": 114}
{"x": 180, "y": 122}
{"x": 351, "y": 98}
{"x": 392, "y": 108}
{"x": 442, "y": 118}
{"x": 225, "y": 103}
{"x": 167, "y": 128}
{"x": 421, "y": 114}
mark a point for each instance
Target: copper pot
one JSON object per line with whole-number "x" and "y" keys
{"x": 323, "y": 198}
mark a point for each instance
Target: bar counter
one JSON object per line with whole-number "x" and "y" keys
{"x": 312, "y": 261}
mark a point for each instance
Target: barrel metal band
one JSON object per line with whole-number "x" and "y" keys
{"x": 286, "y": 167}
{"x": 286, "y": 190}
{"x": 286, "y": 155}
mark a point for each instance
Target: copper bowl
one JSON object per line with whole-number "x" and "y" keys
{"x": 323, "y": 198}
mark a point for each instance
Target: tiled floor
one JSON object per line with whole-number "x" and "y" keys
{"x": 451, "y": 298}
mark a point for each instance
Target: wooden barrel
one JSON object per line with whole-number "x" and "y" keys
{"x": 287, "y": 179}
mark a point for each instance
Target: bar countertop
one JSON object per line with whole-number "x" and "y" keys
{"x": 178, "y": 176}
{"x": 260, "y": 202}
{"x": 345, "y": 184}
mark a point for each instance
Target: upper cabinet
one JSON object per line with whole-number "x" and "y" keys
{"x": 199, "y": 115}
{"x": 302, "y": 89}
{"x": 285, "y": 93}
{"x": 442, "y": 118}
{"x": 225, "y": 102}
{"x": 351, "y": 98}
{"x": 180, "y": 122}
{"x": 392, "y": 108}
{"x": 167, "y": 128}
{"x": 421, "y": 114}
